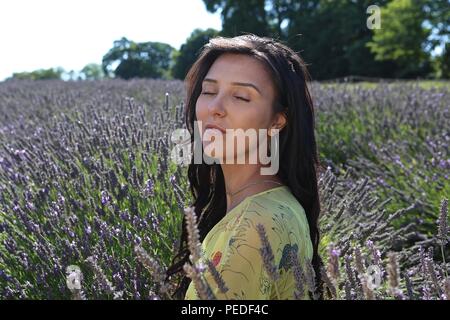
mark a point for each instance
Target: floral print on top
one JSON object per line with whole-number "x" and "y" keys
{"x": 233, "y": 246}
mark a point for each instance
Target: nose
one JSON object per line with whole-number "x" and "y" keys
{"x": 216, "y": 106}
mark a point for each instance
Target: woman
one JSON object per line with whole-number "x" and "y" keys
{"x": 251, "y": 82}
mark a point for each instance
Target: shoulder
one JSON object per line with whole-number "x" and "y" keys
{"x": 278, "y": 207}
{"x": 282, "y": 217}
{"x": 265, "y": 211}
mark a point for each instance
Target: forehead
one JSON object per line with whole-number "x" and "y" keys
{"x": 230, "y": 67}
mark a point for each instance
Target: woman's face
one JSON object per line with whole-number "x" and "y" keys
{"x": 237, "y": 93}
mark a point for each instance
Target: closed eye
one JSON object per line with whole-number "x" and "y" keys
{"x": 246, "y": 100}
{"x": 240, "y": 98}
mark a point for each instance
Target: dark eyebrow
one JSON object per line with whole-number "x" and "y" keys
{"x": 244, "y": 84}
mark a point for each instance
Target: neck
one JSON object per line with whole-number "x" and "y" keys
{"x": 236, "y": 176}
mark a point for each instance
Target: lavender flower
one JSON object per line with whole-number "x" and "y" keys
{"x": 203, "y": 289}
{"x": 148, "y": 190}
{"x": 359, "y": 261}
{"x": 348, "y": 290}
{"x": 153, "y": 296}
{"x": 267, "y": 254}
{"x": 217, "y": 277}
{"x": 105, "y": 284}
{"x": 125, "y": 215}
{"x": 447, "y": 288}
{"x": 394, "y": 277}
{"x": 426, "y": 294}
{"x": 193, "y": 235}
{"x": 268, "y": 257}
{"x": 173, "y": 179}
{"x": 113, "y": 178}
{"x": 431, "y": 271}
{"x": 333, "y": 263}
{"x": 409, "y": 286}
{"x": 51, "y": 176}
{"x": 351, "y": 276}
{"x": 310, "y": 277}
{"x": 105, "y": 197}
{"x": 298, "y": 276}
{"x": 376, "y": 256}
{"x": 328, "y": 282}
{"x": 442, "y": 223}
{"x": 152, "y": 266}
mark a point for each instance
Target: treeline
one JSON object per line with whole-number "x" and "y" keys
{"x": 336, "y": 38}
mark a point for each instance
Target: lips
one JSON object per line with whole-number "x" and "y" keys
{"x": 212, "y": 133}
{"x": 212, "y": 126}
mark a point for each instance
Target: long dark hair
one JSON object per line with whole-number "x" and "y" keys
{"x": 299, "y": 164}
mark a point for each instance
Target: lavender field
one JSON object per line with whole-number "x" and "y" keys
{"x": 86, "y": 180}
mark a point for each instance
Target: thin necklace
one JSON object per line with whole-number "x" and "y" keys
{"x": 231, "y": 194}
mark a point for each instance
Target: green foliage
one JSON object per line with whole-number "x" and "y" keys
{"x": 190, "y": 50}
{"x": 333, "y": 37}
{"x": 40, "y": 74}
{"x": 401, "y": 38}
{"x": 128, "y": 59}
{"x": 93, "y": 71}
{"x": 442, "y": 63}
{"x": 338, "y": 49}
{"x": 240, "y": 16}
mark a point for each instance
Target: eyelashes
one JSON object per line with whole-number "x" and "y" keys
{"x": 240, "y": 98}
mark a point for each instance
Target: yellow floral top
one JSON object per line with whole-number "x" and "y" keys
{"x": 233, "y": 246}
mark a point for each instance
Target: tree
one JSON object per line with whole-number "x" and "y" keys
{"x": 92, "y": 71}
{"x": 442, "y": 63}
{"x": 402, "y": 38}
{"x": 332, "y": 35}
{"x": 329, "y": 35}
{"x": 240, "y": 16}
{"x": 40, "y": 74}
{"x": 128, "y": 59}
{"x": 190, "y": 50}
{"x": 437, "y": 16}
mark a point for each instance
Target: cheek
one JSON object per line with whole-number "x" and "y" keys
{"x": 201, "y": 111}
{"x": 254, "y": 118}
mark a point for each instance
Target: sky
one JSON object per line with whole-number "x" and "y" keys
{"x": 43, "y": 34}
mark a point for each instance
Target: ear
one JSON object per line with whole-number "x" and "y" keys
{"x": 279, "y": 122}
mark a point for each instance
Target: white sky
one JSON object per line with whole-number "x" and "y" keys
{"x": 37, "y": 34}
